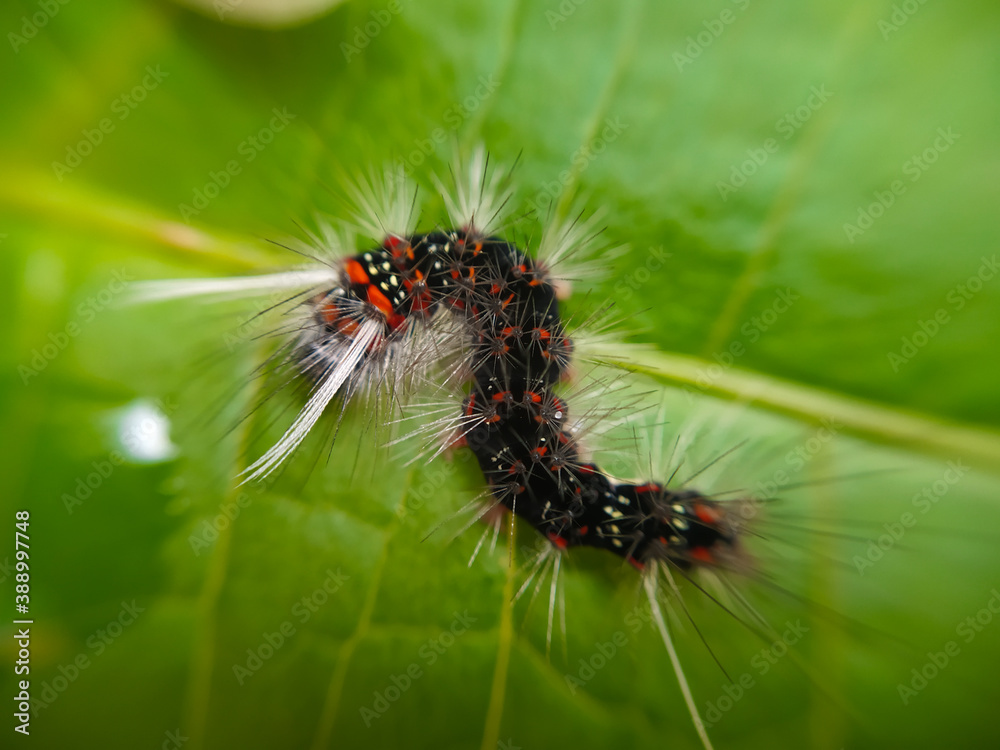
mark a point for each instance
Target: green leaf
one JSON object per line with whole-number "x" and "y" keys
{"x": 823, "y": 180}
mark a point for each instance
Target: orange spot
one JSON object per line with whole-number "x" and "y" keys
{"x": 348, "y": 327}
{"x": 379, "y": 300}
{"x": 356, "y": 273}
{"x": 329, "y": 313}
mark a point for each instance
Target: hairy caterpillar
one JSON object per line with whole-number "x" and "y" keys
{"x": 480, "y": 310}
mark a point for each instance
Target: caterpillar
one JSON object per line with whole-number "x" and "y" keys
{"x": 369, "y": 326}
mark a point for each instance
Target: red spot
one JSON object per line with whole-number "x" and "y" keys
{"x": 380, "y": 301}
{"x": 640, "y": 566}
{"x": 558, "y": 540}
{"x": 707, "y": 514}
{"x": 500, "y": 396}
{"x": 702, "y": 554}
{"x": 356, "y": 273}
{"x": 649, "y": 489}
{"x": 584, "y": 530}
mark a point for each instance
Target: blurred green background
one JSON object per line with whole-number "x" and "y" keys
{"x": 824, "y": 178}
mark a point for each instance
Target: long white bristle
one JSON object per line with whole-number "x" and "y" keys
{"x": 650, "y": 583}
{"x": 383, "y": 205}
{"x": 481, "y": 193}
{"x": 366, "y": 335}
{"x": 233, "y": 287}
